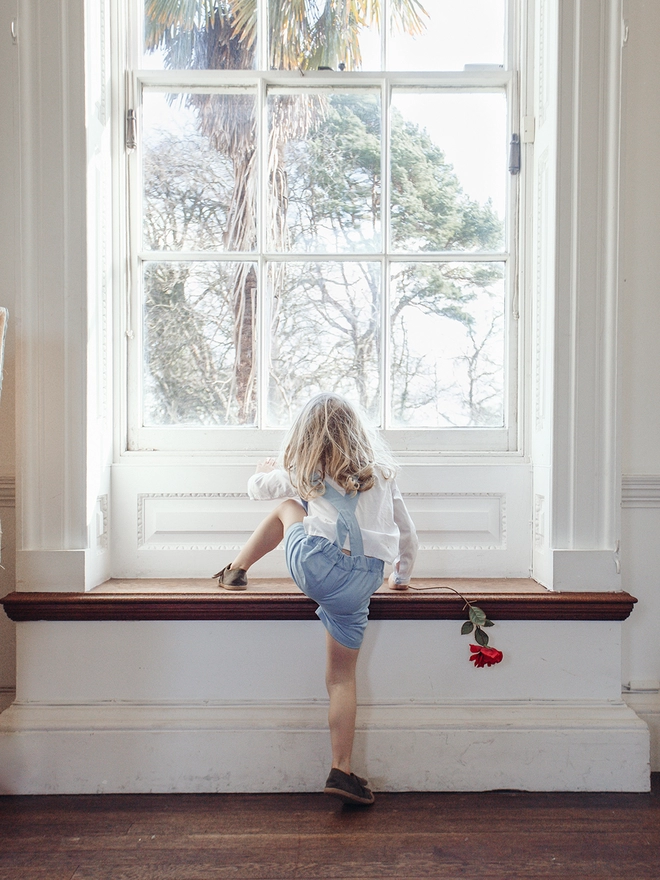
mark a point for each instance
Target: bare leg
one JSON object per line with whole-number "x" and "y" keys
{"x": 340, "y": 682}
{"x": 269, "y": 533}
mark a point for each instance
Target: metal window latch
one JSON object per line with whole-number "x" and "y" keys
{"x": 514, "y": 154}
{"x": 131, "y": 130}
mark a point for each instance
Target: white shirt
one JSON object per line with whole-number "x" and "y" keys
{"x": 388, "y": 533}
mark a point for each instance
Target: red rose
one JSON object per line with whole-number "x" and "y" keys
{"x": 485, "y": 656}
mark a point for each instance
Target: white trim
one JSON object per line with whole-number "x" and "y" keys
{"x": 328, "y": 256}
{"x": 640, "y": 490}
{"x": 647, "y": 707}
{"x": 575, "y": 446}
{"x": 51, "y": 326}
{"x": 282, "y": 746}
{"x": 50, "y": 570}
{"x": 586, "y": 570}
{"x": 191, "y": 441}
{"x": 7, "y": 492}
{"x": 7, "y": 696}
{"x": 586, "y": 470}
{"x": 166, "y": 80}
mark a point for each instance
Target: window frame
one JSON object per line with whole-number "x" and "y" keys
{"x": 132, "y": 436}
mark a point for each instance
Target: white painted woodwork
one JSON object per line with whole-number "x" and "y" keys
{"x": 647, "y": 707}
{"x": 52, "y": 332}
{"x": 575, "y": 244}
{"x": 184, "y": 521}
{"x": 192, "y": 706}
{"x": 283, "y": 747}
{"x": 400, "y": 661}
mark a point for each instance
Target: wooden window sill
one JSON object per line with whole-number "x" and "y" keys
{"x": 279, "y": 599}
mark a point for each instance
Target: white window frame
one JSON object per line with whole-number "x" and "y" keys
{"x": 132, "y": 436}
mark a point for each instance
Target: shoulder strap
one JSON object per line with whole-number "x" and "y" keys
{"x": 347, "y": 523}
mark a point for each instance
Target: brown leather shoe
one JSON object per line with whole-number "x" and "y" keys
{"x": 349, "y": 787}
{"x": 232, "y": 578}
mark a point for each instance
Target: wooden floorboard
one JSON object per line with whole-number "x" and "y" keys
{"x": 409, "y": 836}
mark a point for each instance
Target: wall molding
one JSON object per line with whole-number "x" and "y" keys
{"x": 143, "y": 498}
{"x": 7, "y": 492}
{"x": 647, "y": 707}
{"x": 640, "y": 490}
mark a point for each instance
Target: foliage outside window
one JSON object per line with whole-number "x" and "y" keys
{"x": 303, "y": 228}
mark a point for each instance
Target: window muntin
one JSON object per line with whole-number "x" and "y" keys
{"x": 355, "y": 224}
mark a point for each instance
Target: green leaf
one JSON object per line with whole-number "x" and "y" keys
{"x": 480, "y": 637}
{"x": 477, "y": 616}
{"x": 488, "y": 623}
{"x": 467, "y": 627}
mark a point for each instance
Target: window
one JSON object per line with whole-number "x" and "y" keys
{"x": 284, "y": 227}
{"x": 318, "y": 197}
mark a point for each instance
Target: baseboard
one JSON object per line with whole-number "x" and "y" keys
{"x": 647, "y": 707}
{"x": 130, "y": 747}
{"x": 7, "y": 696}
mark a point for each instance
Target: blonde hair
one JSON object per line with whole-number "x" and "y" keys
{"x": 330, "y": 439}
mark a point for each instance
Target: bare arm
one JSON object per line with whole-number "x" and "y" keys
{"x": 269, "y": 482}
{"x": 408, "y": 543}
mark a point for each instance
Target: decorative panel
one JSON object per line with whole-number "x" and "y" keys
{"x": 208, "y": 521}
{"x": 456, "y": 521}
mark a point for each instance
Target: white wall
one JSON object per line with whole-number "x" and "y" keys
{"x": 9, "y": 263}
{"x": 640, "y": 362}
{"x": 640, "y": 254}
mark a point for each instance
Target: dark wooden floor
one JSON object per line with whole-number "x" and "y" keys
{"x": 491, "y": 836}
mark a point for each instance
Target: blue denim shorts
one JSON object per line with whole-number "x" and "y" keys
{"x": 341, "y": 585}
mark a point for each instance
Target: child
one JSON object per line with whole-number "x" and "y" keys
{"x": 348, "y": 519}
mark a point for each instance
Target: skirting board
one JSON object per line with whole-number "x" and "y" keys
{"x": 647, "y": 707}
{"x": 283, "y": 747}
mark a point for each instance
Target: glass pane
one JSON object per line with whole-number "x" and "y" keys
{"x": 312, "y": 34}
{"x": 195, "y": 149}
{"x": 324, "y": 172}
{"x": 200, "y": 34}
{"x": 447, "y": 36}
{"x": 448, "y": 346}
{"x": 325, "y": 320}
{"x": 449, "y": 170}
{"x": 199, "y": 349}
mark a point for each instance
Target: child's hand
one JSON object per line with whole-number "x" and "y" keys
{"x": 266, "y": 466}
{"x": 393, "y": 584}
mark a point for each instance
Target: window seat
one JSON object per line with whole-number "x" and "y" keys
{"x": 280, "y": 599}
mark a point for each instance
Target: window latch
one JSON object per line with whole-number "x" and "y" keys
{"x": 514, "y": 154}
{"x": 131, "y": 130}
